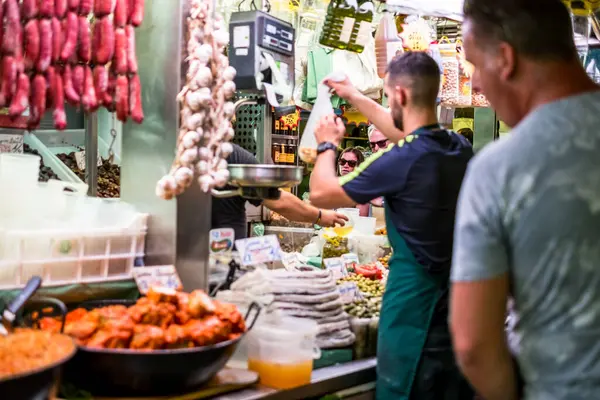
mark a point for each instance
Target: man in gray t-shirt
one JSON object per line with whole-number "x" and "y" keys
{"x": 528, "y": 221}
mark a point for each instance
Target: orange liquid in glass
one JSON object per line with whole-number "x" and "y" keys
{"x": 282, "y": 376}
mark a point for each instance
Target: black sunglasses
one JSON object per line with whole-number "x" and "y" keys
{"x": 381, "y": 144}
{"x": 351, "y": 163}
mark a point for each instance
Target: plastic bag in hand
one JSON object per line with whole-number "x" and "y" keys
{"x": 322, "y": 108}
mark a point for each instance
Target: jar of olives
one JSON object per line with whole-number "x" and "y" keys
{"x": 335, "y": 246}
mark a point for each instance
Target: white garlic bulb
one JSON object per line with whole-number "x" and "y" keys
{"x": 229, "y": 109}
{"x": 202, "y": 167}
{"x": 193, "y": 121}
{"x": 190, "y": 139}
{"x": 226, "y": 149}
{"x": 189, "y": 156}
{"x": 203, "y": 53}
{"x": 206, "y": 182}
{"x": 203, "y": 77}
{"x": 184, "y": 176}
{"x": 221, "y": 37}
{"x": 221, "y": 177}
{"x": 204, "y": 154}
{"x": 229, "y": 73}
{"x": 228, "y": 89}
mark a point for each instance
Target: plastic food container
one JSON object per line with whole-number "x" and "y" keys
{"x": 291, "y": 239}
{"x": 282, "y": 349}
{"x": 23, "y": 168}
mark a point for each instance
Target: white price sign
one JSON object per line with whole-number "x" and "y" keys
{"x": 80, "y": 159}
{"x": 164, "y": 276}
{"x": 349, "y": 292}
{"x": 259, "y": 250}
{"x": 350, "y": 260}
{"x": 11, "y": 143}
{"x": 336, "y": 266}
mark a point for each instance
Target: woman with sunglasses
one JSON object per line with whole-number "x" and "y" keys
{"x": 348, "y": 160}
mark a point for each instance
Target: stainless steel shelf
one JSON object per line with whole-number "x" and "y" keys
{"x": 284, "y": 137}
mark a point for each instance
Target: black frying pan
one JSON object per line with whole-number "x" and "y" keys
{"x": 116, "y": 372}
{"x": 42, "y": 382}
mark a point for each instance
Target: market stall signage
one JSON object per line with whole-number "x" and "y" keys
{"x": 416, "y": 36}
{"x": 11, "y": 143}
{"x": 164, "y": 276}
{"x": 221, "y": 240}
{"x": 258, "y": 250}
{"x": 349, "y": 292}
{"x": 337, "y": 267}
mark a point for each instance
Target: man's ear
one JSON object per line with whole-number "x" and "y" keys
{"x": 402, "y": 96}
{"x": 506, "y": 61}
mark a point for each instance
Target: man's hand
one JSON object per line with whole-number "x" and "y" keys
{"x": 330, "y": 129}
{"x": 345, "y": 89}
{"x": 331, "y": 218}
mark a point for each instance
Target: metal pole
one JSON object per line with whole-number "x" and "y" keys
{"x": 91, "y": 153}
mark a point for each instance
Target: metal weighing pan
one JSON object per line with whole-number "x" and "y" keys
{"x": 261, "y": 181}
{"x": 116, "y": 372}
{"x": 276, "y": 176}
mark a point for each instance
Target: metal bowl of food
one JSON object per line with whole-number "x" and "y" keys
{"x": 31, "y": 362}
{"x": 148, "y": 347}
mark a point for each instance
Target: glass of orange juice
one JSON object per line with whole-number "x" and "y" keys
{"x": 281, "y": 350}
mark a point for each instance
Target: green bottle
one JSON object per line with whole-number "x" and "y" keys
{"x": 362, "y": 32}
{"x": 339, "y": 23}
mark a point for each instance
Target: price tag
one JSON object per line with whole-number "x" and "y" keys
{"x": 221, "y": 240}
{"x": 258, "y": 250}
{"x": 164, "y": 276}
{"x": 349, "y": 292}
{"x": 80, "y": 160}
{"x": 336, "y": 266}
{"x": 350, "y": 260}
{"x": 11, "y": 143}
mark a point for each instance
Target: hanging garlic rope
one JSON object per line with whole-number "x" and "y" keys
{"x": 206, "y": 112}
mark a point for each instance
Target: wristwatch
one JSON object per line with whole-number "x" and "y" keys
{"x": 325, "y": 146}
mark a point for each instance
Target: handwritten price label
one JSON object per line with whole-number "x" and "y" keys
{"x": 11, "y": 143}
{"x": 336, "y": 266}
{"x": 164, "y": 276}
{"x": 259, "y": 250}
{"x": 349, "y": 292}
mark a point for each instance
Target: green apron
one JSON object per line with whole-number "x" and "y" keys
{"x": 408, "y": 304}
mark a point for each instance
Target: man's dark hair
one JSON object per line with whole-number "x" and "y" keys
{"x": 418, "y": 72}
{"x": 539, "y": 29}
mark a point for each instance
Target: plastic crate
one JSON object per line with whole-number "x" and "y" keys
{"x": 291, "y": 239}
{"x": 63, "y": 257}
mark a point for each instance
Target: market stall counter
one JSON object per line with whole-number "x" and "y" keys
{"x": 325, "y": 381}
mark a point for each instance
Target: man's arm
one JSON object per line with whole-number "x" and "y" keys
{"x": 480, "y": 288}
{"x": 294, "y": 209}
{"x": 375, "y": 113}
{"x": 377, "y": 176}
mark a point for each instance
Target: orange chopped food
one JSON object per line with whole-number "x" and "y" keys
{"x": 162, "y": 320}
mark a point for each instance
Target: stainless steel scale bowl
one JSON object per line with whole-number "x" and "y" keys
{"x": 260, "y": 181}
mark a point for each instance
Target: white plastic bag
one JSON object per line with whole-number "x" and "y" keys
{"x": 322, "y": 108}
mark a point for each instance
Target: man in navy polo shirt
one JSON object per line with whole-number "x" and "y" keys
{"x": 420, "y": 178}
